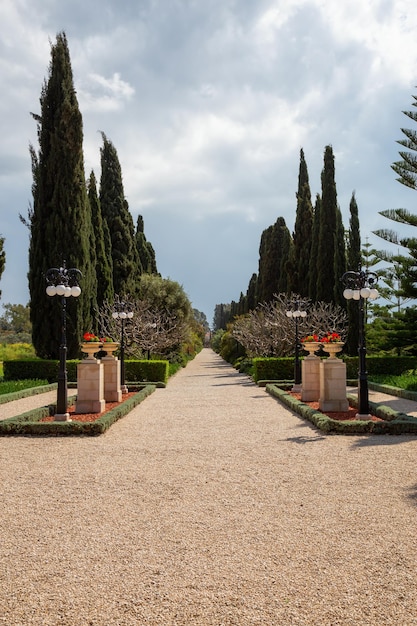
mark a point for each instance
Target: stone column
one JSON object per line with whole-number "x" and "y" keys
{"x": 333, "y": 385}
{"x": 310, "y": 369}
{"x": 112, "y": 389}
{"x": 90, "y": 387}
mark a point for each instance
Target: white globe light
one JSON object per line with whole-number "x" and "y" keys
{"x": 296, "y": 314}
{"x": 356, "y": 294}
{"x": 51, "y": 290}
{"x": 60, "y": 290}
{"x": 122, "y": 315}
{"x": 289, "y": 313}
{"x": 303, "y": 313}
{"x": 374, "y": 294}
{"x": 130, "y": 315}
{"x": 348, "y": 294}
{"x": 365, "y": 292}
{"x": 67, "y": 293}
{"x": 115, "y": 315}
{"x": 75, "y": 291}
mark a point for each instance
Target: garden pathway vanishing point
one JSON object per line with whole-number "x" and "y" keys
{"x": 210, "y": 504}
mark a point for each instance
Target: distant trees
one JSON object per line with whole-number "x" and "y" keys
{"x": 311, "y": 261}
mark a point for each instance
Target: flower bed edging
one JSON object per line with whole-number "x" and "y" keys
{"x": 395, "y": 423}
{"x": 29, "y": 423}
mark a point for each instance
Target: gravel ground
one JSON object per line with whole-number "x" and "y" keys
{"x": 210, "y": 504}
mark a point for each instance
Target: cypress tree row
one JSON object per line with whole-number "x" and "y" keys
{"x": 115, "y": 211}
{"x": 60, "y": 220}
{"x": 101, "y": 247}
{"x": 302, "y": 236}
{"x": 328, "y": 241}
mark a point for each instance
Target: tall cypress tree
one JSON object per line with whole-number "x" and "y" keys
{"x": 115, "y": 211}
{"x": 274, "y": 253}
{"x": 101, "y": 246}
{"x": 145, "y": 249}
{"x": 251, "y": 293}
{"x": 339, "y": 259}
{"x": 354, "y": 263}
{"x": 302, "y": 237}
{"x": 312, "y": 270}
{"x": 2, "y": 258}
{"x": 60, "y": 220}
{"x": 326, "y": 276}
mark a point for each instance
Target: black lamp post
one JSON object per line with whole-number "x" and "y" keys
{"x": 122, "y": 312}
{"x": 359, "y": 286}
{"x": 63, "y": 282}
{"x": 295, "y": 314}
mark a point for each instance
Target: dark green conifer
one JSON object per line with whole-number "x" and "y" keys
{"x": 312, "y": 271}
{"x": 354, "y": 263}
{"x": 101, "y": 246}
{"x": 328, "y": 241}
{"x": 2, "y": 258}
{"x": 145, "y": 249}
{"x": 115, "y": 211}
{"x": 60, "y": 221}
{"x": 274, "y": 254}
{"x": 301, "y": 252}
{"x": 251, "y": 293}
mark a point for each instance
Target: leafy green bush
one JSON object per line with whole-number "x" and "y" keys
{"x": 11, "y": 351}
{"x": 147, "y": 371}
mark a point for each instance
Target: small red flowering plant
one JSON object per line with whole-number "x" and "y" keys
{"x": 90, "y": 338}
{"x": 331, "y": 338}
{"x": 310, "y": 338}
{"x": 106, "y": 340}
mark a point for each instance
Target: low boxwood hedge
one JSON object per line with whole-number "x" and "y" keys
{"x": 29, "y": 423}
{"x": 395, "y": 423}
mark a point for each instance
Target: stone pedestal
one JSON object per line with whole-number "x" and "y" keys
{"x": 310, "y": 368}
{"x": 90, "y": 387}
{"x": 333, "y": 385}
{"x": 112, "y": 389}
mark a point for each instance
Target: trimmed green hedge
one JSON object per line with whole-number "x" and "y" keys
{"x": 273, "y": 368}
{"x": 29, "y": 423}
{"x": 135, "y": 370}
{"x": 283, "y": 368}
{"x": 395, "y": 423}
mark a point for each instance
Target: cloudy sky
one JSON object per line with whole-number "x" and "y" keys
{"x": 208, "y": 103}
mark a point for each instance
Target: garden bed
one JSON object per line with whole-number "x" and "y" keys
{"x": 384, "y": 420}
{"x": 40, "y": 422}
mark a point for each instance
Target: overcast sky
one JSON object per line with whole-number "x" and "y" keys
{"x": 208, "y": 103}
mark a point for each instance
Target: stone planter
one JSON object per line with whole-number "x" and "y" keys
{"x": 109, "y": 347}
{"x": 311, "y": 347}
{"x": 333, "y": 348}
{"x": 90, "y": 348}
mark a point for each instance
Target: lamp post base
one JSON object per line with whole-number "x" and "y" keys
{"x": 62, "y": 417}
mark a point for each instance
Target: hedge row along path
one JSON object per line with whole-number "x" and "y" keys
{"x": 209, "y": 504}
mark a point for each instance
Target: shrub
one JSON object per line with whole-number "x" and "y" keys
{"x": 273, "y": 368}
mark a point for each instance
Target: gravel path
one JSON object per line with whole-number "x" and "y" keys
{"x": 210, "y": 504}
